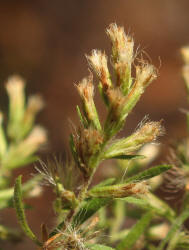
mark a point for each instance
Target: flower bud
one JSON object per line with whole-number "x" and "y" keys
{"x": 114, "y": 120}
{"x": 87, "y": 143}
{"x": 121, "y": 105}
{"x": 145, "y": 74}
{"x": 117, "y": 101}
{"x": 145, "y": 134}
{"x": 68, "y": 199}
{"x": 122, "y": 50}
{"x": 35, "y": 104}
{"x": 86, "y": 91}
{"x": 120, "y": 190}
{"x": 15, "y": 89}
{"x": 98, "y": 61}
{"x": 36, "y": 138}
{"x": 122, "y": 45}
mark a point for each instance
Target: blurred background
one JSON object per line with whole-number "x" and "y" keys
{"x": 45, "y": 42}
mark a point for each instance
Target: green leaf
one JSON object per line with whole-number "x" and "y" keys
{"x": 174, "y": 228}
{"x": 136, "y": 201}
{"x": 81, "y": 118}
{"x": 159, "y": 206}
{"x": 136, "y": 231}
{"x": 149, "y": 173}
{"x": 88, "y": 208}
{"x": 128, "y": 157}
{"x": 18, "y": 204}
{"x": 106, "y": 182}
{"x": 98, "y": 247}
{"x": 153, "y": 203}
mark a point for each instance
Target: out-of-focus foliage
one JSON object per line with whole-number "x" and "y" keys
{"x": 20, "y": 140}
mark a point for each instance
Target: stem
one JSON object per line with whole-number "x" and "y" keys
{"x": 21, "y": 213}
{"x": 81, "y": 197}
{"x": 94, "y": 166}
{"x": 82, "y": 194}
